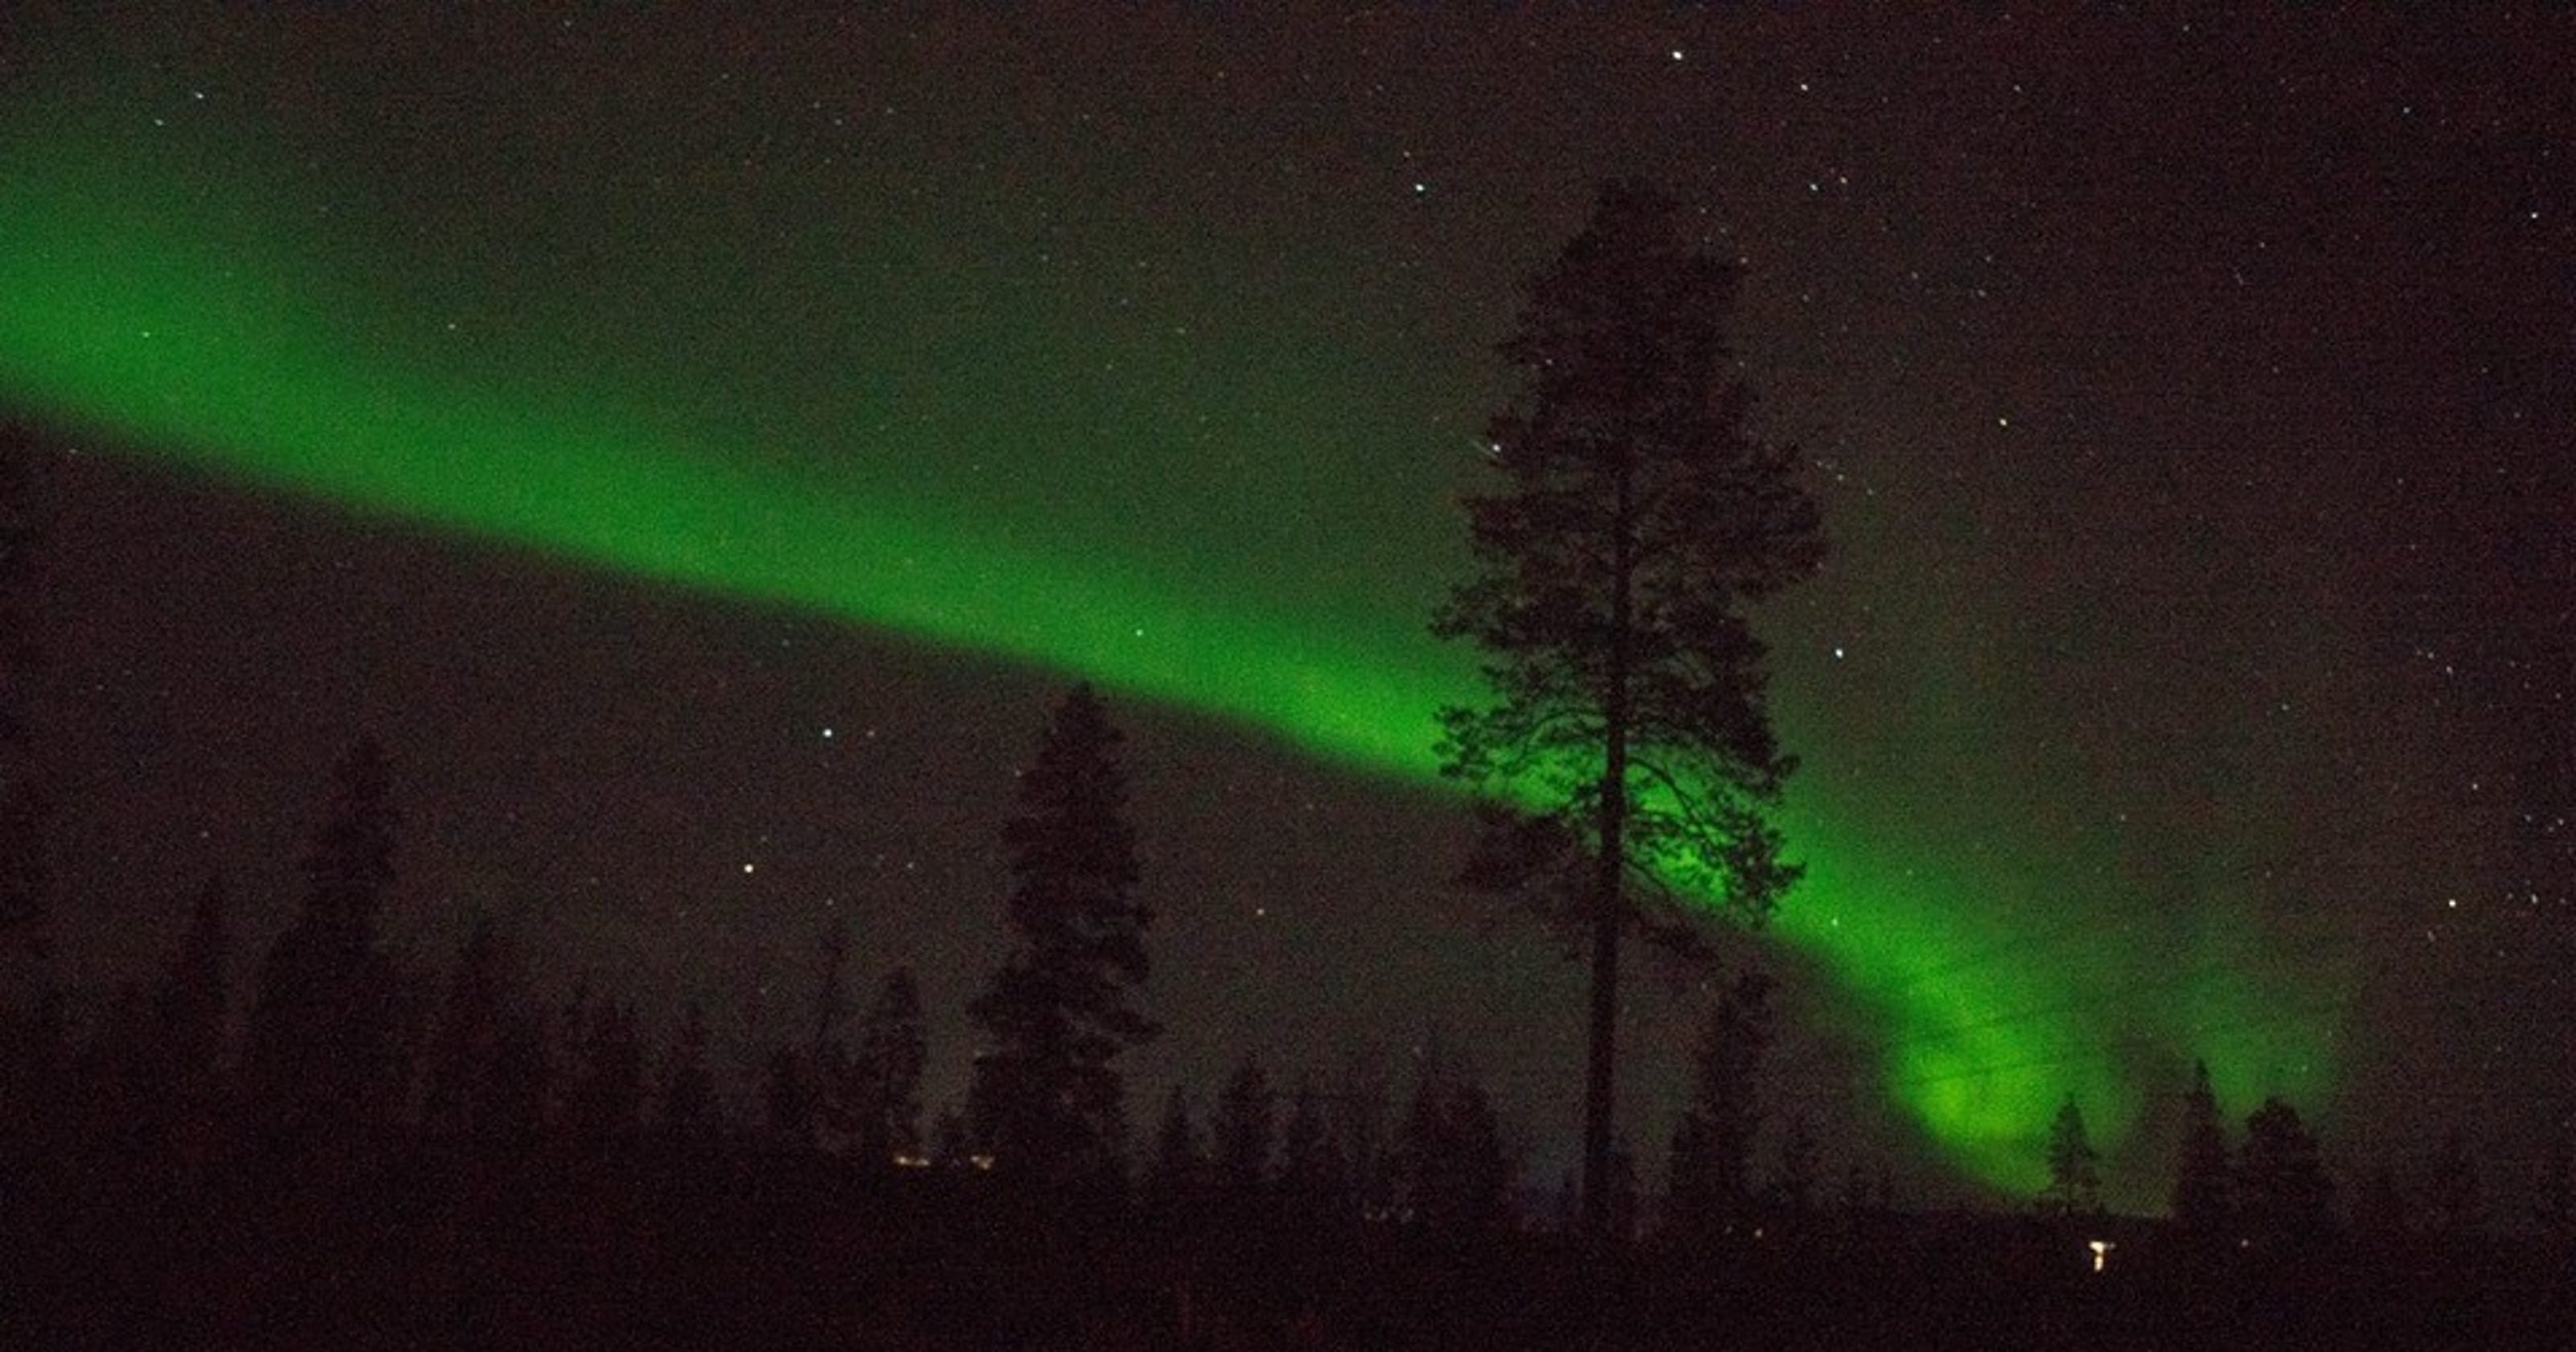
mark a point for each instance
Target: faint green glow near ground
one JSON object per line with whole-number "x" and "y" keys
{"x": 173, "y": 291}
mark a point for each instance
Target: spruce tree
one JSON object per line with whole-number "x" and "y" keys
{"x": 456, "y": 1074}
{"x": 511, "y": 1115}
{"x": 688, "y": 1090}
{"x": 2453, "y": 1208}
{"x": 1628, "y": 738}
{"x": 2074, "y": 1169}
{"x": 830, "y": 1070}
{"x": 892, "y": 1049}
{"x": 1314, "y": 1171}
{"x": 1241, "y": 1132}
{"x": 319, "y": 1059}
{"x": 1711, "y": 1184}
{"x": 1176, "y": 1177}
{"x": 192, "y": 1008}
{"x": 1450, "y": 1170}
{"x": 1793, "y": 1185}
{"x": 606, "y": 1094}
{"x": 792, "y": 1106}
{"x": 2383, "y": 1216}
{"x": 2201, "y": 1191}
{"x": 2283, "y": 1194}
{"x": 2553, "y": 1205}
{"x": 952, "y": 1146}
{"x": 1046, "y": 1100}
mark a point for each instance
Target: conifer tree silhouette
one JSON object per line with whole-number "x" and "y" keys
{"x": 1628, "y": 745}
{"x": 1046, "y": 1100}
{"x": 319, "y": 1060}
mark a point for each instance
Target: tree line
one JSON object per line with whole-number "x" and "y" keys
{"x": 342, "y": 1053}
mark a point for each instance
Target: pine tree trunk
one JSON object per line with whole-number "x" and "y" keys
{"x": 1600, "y": 1090}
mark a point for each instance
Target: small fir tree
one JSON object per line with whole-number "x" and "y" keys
{"x": 320, "y": 1053}
{"x": 1793, "y": 1188}
{"x": 688, "y": 1090}
{"x": 512, "y": 1115}
{"x": 2074, "y": 1169}
{"x": 607, "y": 1092}
{"x": 831, "y": 1072}
{"x": 792, "y": 1108}
{"x": 892, "y": 1050}
{"x": 1450, "y": 1170}
{"x": 1711, "y": 1186}
{"x": 2201, "y": 1193}
{"x": 2382, "y": 1215}
{"x": 1314, "y": 1168}
{"x": 459, "y": 1062}
{"x": 191, "y": 1013}
{"x": 952, "y": 1146}
{"x": 1176, "y": 1177}
{"x": 1241, "y": 1132}
{"x": 2553, "y": 1205}
{"x": 2453, "y": 1209}
{"x": 2283, "y": 1194}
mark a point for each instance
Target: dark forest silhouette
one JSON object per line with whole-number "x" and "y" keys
{"x": 368, "y": 1161}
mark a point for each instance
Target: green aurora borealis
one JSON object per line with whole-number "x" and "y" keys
{"x": 574, "y": 342}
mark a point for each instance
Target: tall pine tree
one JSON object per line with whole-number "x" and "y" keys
{"x": 1047, "y": 1101}
{"x": 1628, "y": 740}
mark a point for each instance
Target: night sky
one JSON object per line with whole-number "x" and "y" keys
{"x": 702, "y": 446}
